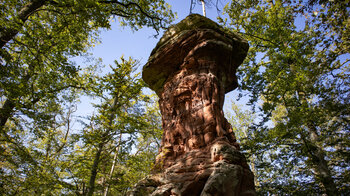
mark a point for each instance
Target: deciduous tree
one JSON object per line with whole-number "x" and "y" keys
{"x": 40, "y": 84}
{"x": 298, "y": 66}
{"x": 38, "y": 38}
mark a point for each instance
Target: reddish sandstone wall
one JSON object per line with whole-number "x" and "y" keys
{"x": 191, "y": 69}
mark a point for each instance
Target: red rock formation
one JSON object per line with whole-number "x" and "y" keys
{"x": 192, "y": 99}
{"x": 191, "y": 69}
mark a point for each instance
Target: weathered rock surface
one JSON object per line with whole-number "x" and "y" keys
{"x": 200, "y": 35}
{"x": 191, "y": 69}
{"x": 221, "y": 172}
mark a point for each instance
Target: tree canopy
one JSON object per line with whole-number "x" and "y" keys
{"x": 298, "y": 69}
{"x": 41, "y": 85}
{"x": 38, "y": 37}
{"x": 296, "y": 74}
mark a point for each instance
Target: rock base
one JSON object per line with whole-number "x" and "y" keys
{"x": 219, "y": 170}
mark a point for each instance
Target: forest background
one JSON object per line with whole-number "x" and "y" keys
{"x": 76, "y": 118}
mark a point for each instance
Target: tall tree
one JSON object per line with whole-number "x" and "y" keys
{"x": 40, "y": 84}
{"x": 119, "y": 126}
{"x": 117, "y": 113}
{"x": 38, "y": 37}
{"x": 133, "y": 166}
{"x": 298, "y": 66}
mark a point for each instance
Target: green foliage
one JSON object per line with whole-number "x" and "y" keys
{"x": 41, "y": 151}
{"x": 54, "y": 158}
{"x": 39, "y": 37}
{"x": 110, "y": 136}
{"x": 241, "y": 120}
{"x": 298, "y": 67}
{"x": 36, "y": 73}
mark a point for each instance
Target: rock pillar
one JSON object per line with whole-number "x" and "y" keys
{"x": 191, "y": 69}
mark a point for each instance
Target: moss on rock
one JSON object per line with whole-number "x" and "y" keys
{"x": 163, "y": 62}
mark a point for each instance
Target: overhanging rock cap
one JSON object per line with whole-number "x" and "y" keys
{"x": 170, "y": 52}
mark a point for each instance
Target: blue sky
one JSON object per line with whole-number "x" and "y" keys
{"x": 138, "y": 44}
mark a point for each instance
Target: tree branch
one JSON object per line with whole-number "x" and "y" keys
{"x": 251, "y": 35}
{"x": 9, "y": 33}
{"x": 129, "y": 4}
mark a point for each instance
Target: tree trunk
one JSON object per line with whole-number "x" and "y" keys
{"x": 113, "y": 165}
{"x": 5, "y": 112}
{"x": 9, "y": 33}
{"x": 94, "y": 169}
{"x": 100, "y": 148}
{"x": 316, "y": 154}
{"x": 317, "y": 157}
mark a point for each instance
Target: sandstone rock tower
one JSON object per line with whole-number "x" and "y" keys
{"x": 191, "y": 69}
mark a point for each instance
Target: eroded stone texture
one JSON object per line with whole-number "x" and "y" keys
{"x": 221, "y": 172}
{"x": 191, "y": 69}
